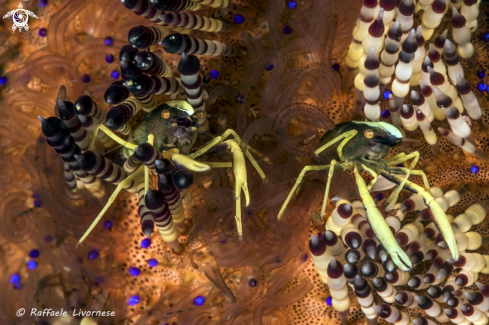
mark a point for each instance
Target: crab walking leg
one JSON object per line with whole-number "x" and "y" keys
{"x": 391, "y": 201}
{"x": 112, "y": 198}
{"x": 111, "y": 135}
{"x": 217, "y": 140}
{"x": 414, "y": 172}
{"x": 151, "y": 139}
{"x": 328, "y": 185}
{"x": 186, "y": 162}
{"x": 297, "y": 182}
{"x": 346, "y": 136}
{"x": 380, "y": 227}
{"x": 439, "y": 216}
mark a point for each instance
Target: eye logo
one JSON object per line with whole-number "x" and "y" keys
{"x": 20, "y": 17}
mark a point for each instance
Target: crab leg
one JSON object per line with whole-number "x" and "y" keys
{"x": 439, "y": 216}
{"x": 378, "y": 224}
{"x": 391, "y": 201}
{"x": 111, "y": 135}
{"x": 186, "y": 162}
{"x": 345, "y": 136}
{"x": 112, "y": 198}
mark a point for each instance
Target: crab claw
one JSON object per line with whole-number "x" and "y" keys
{"x": 239, "y": 169}
{"x": 188, "y": 163}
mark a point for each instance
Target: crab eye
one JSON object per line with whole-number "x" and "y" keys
{"x": 369, "y": 134}
{"x": 165, "y": 114}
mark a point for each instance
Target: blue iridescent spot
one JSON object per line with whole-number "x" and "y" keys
{"x": 319, "y": 235}
{"x": 240, "y": 99}
{"x": 48, "y": 238}
{"x": 481, "y": 87}
{"x": 133, "y": 301}
{"x": 238, "y": 19}
{"x": 3, "y": 80}
{"x": 108, "y": 224}
{"x": 34, "y": 253}
{"x": 287, "y": 30}
{"x": 222, "y": 242}
{"x": 329, "y": 301}
{"x": 43, "y": 3}
{"x": 387, "y": 93}
{"x": 32, "y": 265}
{"x": 292, "y": 4}
{"x": 481, "y": 74}
{"x": 109, "y": 58}
{"x": 199, "y": 300}
{"x": 485, "y": 36}
{"x": 386, "y": 113}
{"x": 269, "y": 67}
{"x": 37, "y": 204}
{"x": 15, "y": 278}
{"x": 400, "y": 165}
{"x": 42, "y": 32}
{"x": 475, "y": 169}
{"x": 214, "y": 74}
{"x": 93, "y": 254}
{"x": 114, "y": 74}
{"x": 336, "y": 66}
{"x": 152, "y": 262}
{"x": 85, "y": 78}
{"x": 134, "y": 271}
{"x": 145, "y": 243}
{"x": 213, "y": 130}
{"x": 252, "y": 282}
{"x": 305, "y": 257}
{"x": 108, "y": 41}
{"x": 378, "y": 196}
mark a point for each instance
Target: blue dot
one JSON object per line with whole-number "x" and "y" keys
{"x": 32, "y": 265}
{"x": 481, "y": 74}
{"x": 114, "y": 74}
{"x": 214, "y": 74}
{"x": 238, "y": 19}
{"x": 109, "y": 58}
{"x": 152, "y": 262}
{"x": 287, "y": 30}
{"x": 134, "y": 271}
{"x": 43, "y": 3}
{"x": 305, "y": 257}
{"x": 387, "y": 93}
{"x": 3, "y": 80}
{"x": 475, "y": 169}
{"x": 37, "y": 204}
{"x": 222, "y": 242}
{"x": 252, "y": 282}
{"x": 48, "y": 238}
{"x": 15, "y": 278}
{"x": 199, "y": 300}
{"x": 481, "y": 87}
{"x": 319, "y": 235}
{"x": 145, "y": 243}
{"x": 93, "y": 254}
{"x": 378, "y": 196}
{"x": 108, "y": 224}
{"x": 485, "y": 37}
{"x": 400, "y": 165}
{"x": 329, "y": 301}
{"x": 108, "y": 41}
{"x": 133, "y": 301}
{"x": 240, "y": 99}
{"x": 213, "y": 130}
{"x": 85, "y": 78}
{"x": 386, "y": 113}
{"x": 269, "y": 67}
{"x": 292, "y": 4}
{"x": 42, "y": 32}
{"x": 34, "y": 253}
{"x": 336, "y": 66}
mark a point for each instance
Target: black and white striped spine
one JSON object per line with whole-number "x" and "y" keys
{"x": 172, "y": 196}
{"x": 151, "y": 64}
{"x": 69, "y": 117}
{"x": 143, "y": 37}
{"x": 155, "y": 202}
{"x": 147, "y": 154}
{"x": 189, "y": 67}
{"x": 193, "y": 21}
{"x": 147, "y": 220}
{"x": 179, "y": 43}
{"x": 226, "y": 4}
{"x": 119, "y": 116}
{"x": 151, "y": 85}
{"x": 97, "y": 165}
{"x": 143, "y": 8}
{"x": 69, "y": 177}
{"x": 131, "y": 164}
{"x": 91, "y": 116}
{"x": 174, "y": 5}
